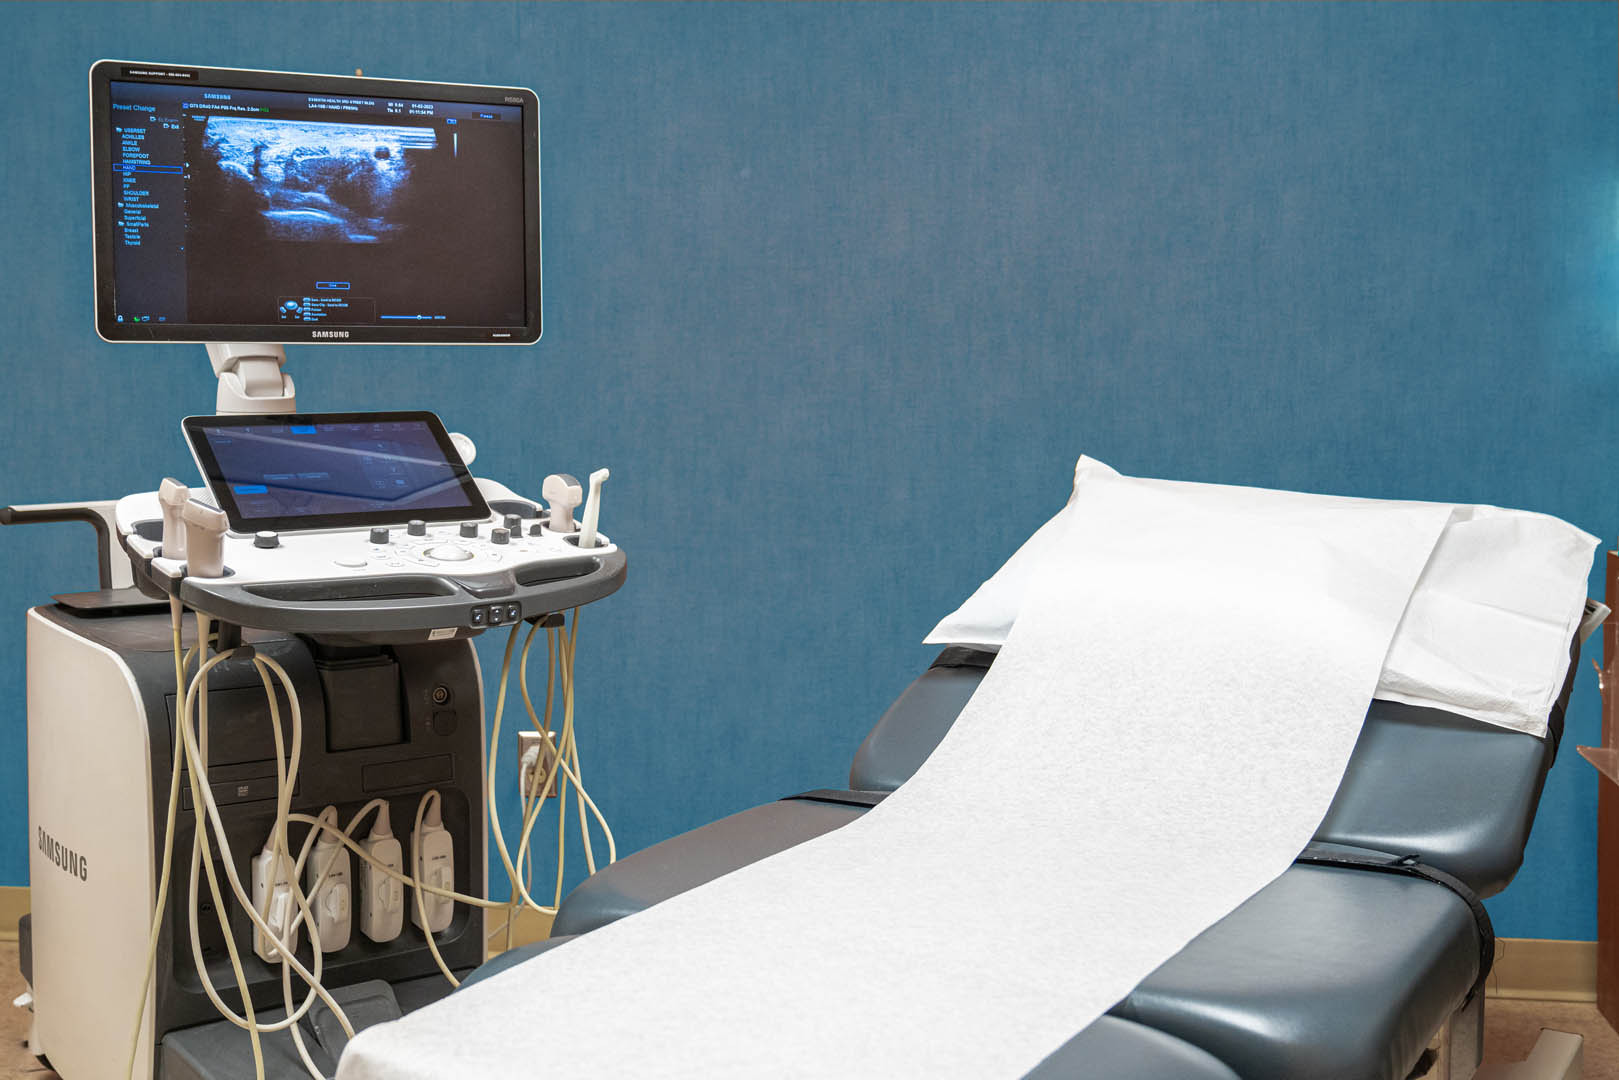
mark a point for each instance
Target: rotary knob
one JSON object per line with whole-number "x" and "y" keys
{"x": 469, "y": 529}
{"x": 513, "y": 523}
{"x": 266, "y": 539}
{"x": 416, "y": 527}
{"x": 379, "y": 534}
{"x": 536, "y": 529}
{"x": 497, "y": 535}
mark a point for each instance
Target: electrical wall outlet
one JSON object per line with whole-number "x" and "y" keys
{"x": 535, "y": 754}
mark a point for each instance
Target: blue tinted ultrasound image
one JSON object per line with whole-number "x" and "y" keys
{"x": 307, "y": 220}
{"x": 315, "y": 181}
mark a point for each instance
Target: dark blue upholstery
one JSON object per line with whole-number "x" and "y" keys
{"x": 1329, "y": 973}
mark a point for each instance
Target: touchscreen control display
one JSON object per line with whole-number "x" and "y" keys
{"x": 333, "y": 471}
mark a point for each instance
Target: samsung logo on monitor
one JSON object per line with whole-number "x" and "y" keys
{"x": 329, "y": 333}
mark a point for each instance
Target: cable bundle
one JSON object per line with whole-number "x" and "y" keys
{"x": 191, "y": 749}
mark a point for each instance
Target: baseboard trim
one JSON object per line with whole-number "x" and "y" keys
{"x": 1540, "y": 969}
{"x": 13, "y": 906}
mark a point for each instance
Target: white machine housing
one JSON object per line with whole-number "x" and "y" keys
{"x": 101, "y": 719}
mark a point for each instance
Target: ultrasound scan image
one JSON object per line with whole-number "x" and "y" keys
{"x": 314, "y": 181}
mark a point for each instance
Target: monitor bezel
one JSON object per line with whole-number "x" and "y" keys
{"x": 105, "y": 72}
{"x": 475, "y": 509}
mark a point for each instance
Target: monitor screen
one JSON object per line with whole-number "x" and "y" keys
{"x": 262, "y": 206}
{"x": 332, "y": 470}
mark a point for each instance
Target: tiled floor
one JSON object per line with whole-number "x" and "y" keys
{"x": 1511, "y": 1029}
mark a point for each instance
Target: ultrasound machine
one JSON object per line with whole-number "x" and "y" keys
{"x": 273, "y": 695}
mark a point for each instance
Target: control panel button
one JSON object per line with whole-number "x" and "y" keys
{"x": 416, "y": 527}
{"x": 379, "y": 534}
{"x": 449, "y": 553}
{"x": 469, "y": 529}
{"x": 351, "y": 563}
{"x": 513, "y": 523}
{"x": 497, "y": 535}
{"x": 266, "y": 539}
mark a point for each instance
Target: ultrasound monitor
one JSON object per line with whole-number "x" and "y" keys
{"x": 253, "y": 206}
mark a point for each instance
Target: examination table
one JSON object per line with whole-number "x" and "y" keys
{"x": 1343, "y": 968}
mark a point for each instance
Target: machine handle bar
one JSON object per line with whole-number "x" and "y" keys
{"x": 44, "y": 515}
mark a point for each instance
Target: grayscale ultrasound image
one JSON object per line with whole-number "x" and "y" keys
{"x": 318, "y": 181}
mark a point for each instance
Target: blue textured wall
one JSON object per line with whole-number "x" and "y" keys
{"x": 840, "y": 293}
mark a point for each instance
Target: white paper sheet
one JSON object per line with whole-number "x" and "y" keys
{"x": 1485, "y": 635}
{"x": 1079, "y": 824}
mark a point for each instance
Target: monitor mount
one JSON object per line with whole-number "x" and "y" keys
{"x": 251, "y": 379}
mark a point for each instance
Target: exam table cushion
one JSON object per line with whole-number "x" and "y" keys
{"x": 683, "y": 862}
{"x": 1107, "y": 1050}
{"x": 1422, "y": 781}
{"x": 1329, "y": 973}
{"x": 512, "y": 957}
{"x": 1115, "y": 1049}
{"x": 1325, "y": 973}
{"x": 1324, "y": 965}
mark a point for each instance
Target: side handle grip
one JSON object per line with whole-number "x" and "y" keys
{"x": 29, "y": 515}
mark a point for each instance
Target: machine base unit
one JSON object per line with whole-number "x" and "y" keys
{"x": 386, "y": 722}
{"x": 219, "y": 1051}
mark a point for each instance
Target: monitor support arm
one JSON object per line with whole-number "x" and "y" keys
{"x": 251, "y": 379}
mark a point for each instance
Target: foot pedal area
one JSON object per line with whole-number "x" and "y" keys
{"x": 221, "y": 1051}
{"x": 366, "y": 1004}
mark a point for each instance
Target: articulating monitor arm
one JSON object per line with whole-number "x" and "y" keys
{"x": 251, "y": 379}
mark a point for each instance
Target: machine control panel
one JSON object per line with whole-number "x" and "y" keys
{"x": 408, "y": 581}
